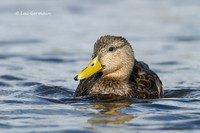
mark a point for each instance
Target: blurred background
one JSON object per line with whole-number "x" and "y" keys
{"x": 45, "y": 43}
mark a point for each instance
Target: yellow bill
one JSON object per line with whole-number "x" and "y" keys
{"x": 93, "y": 67}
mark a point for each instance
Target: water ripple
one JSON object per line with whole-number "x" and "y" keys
{"x": 168, "y": 63}
{"x": 54, "y": 60}
{"x": 28, "y": 84}
{"x": 2, "y": 84}
{"x": 30, "y": 41}
{"x": 53, "y": 91}
{"x": 10, "y": 77}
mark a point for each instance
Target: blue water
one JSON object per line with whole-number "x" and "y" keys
{"x": 40, "y": 55}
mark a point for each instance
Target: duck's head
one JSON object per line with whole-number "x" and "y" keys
{"x": 113, "y": 56}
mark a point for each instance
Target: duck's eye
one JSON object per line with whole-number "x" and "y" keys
{"x": 111, "y": 49}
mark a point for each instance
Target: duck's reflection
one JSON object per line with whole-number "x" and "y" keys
{"x": 110, "y": 111}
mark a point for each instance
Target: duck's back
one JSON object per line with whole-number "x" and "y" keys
{"x": 148, "y": 83}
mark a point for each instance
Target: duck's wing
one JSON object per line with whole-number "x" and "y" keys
{"x": 148, "y": 83}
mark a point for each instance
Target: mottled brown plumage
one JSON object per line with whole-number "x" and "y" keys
{"x": 122, "y": 74}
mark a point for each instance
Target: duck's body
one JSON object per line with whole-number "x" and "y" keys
{"x": 120, "y": 75}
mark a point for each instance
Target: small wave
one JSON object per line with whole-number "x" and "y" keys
{"x": 168, "y": 63}
{"x": 30, "y": 41}
{"x": 186, "y": 38}
{"x": 181, "y": 125}
{"x": 4, "y": 125}
{"x": 53, "y": 91}
{"x": 55, "y": 60}
{"x": 182, "y": 93}
{"x": 10, "y": 77}
{"x": 28, "y": 84}
{"x": 2, "y": 84}
{"x": 6, "y": 92}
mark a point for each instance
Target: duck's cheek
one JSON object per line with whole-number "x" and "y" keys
{"x": 111, "y": 67}
{"x": 106, "y": 62}
{"x": 111, "y": 63}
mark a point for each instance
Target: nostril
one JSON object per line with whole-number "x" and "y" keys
{"x": 92, "y": 64}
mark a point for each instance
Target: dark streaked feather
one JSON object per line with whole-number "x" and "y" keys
{"x": 148, "y": 83}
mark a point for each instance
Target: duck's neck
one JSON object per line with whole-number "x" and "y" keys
{"x": 121, "y": 74}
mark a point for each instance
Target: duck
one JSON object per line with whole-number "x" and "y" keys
{"x": 114, "y": 71}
